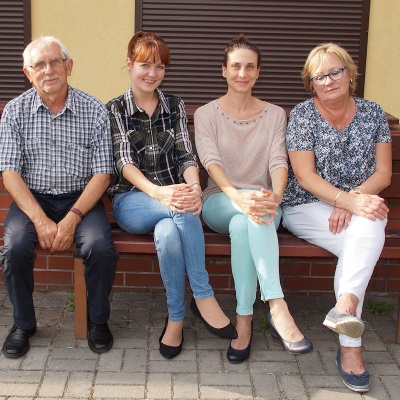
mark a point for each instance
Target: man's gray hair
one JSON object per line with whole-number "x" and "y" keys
{"x": 41, "y": 42}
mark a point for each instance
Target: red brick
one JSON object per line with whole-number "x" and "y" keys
{"x": 393, "y": 286}
{"x": 218, "y": 267}
{"x": 45, "y": 276}
{"x": 61, "y": 262}
{"x": 119, "y": 279}
{"x": 224, "y": 291}
{"x": 386, "y": 271}
{"x": 294, "y": 268}
{"x": 219, "y": 282}
{"x": 131, "y": 264}
{"x": 394, "y": 211}
{"x": 3, "y": 214}
{"x": 151, "y": 280}
{"x": 293, "y": 283}
{"x": 41, "y": 261}
{"x": 377, "y": 285}
{"x": 393, "y": 225}
{"x": 309, "y": 293}
{"x": 323, "y": 270}
{"x": 5, "y": 201}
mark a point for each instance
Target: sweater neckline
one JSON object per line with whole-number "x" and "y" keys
{"x": 242, "y": 121}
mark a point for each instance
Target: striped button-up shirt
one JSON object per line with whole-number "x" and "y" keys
{"x": 159, "y": 146}
{"x": 56, "y": 154}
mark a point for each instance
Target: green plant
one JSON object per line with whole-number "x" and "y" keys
{"x": 263, "y": 327}
{"x": 71, "y": 301}
{"x": 378, "y": 307}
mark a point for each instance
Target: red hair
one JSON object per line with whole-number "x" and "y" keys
{"x": 147, "y": 46}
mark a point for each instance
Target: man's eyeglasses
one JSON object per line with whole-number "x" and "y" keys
{"x": 41, "y": 65}
{"x": 336, "y": 74}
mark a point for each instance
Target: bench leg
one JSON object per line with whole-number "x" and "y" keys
{"x": 398, "y": 322}
{"x": 80, "y": 299}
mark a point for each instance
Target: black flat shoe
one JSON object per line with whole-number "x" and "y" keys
{"x": 235, "y": 356}
{"x": 169, "y": 351}
{"x": 303, "y": 346}
{"x": 227, "y": 331}
{"x": 100, "y": 338}
{"x": 17, "y": 342}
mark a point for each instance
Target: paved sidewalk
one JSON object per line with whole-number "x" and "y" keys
{"x": 60, "y": 367}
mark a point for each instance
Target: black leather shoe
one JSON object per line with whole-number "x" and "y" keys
{"x": 100, "y": 338}
{"x": 227, "y": 331}
{"x": 169, "y": 351}
{"x": 303, "y": 346}
{"x": 235, "y": 356}
{"x": 17, "y": 342}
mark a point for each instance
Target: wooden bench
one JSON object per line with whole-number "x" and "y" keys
{"x": 217, "y": 245}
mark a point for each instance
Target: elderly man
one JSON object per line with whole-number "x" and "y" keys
{"x": 56, "y": 162}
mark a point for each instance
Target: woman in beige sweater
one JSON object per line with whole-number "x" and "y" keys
{"x": 241, "y": 142}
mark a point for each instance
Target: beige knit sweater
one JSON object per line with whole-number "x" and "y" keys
{"x": 247, "y": 150}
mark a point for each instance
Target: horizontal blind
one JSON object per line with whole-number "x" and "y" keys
{"x": 14, "y": 35}
{"x": 197, "y": 32}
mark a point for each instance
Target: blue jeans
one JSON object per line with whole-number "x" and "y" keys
{"x": 254, "y": 251}
{"x": 179, "y": 242}
{"x": 93, "y": 242}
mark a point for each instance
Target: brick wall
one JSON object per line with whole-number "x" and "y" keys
{"x": 141, "y": 272}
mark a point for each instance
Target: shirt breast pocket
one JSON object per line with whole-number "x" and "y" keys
{"x": 166, "y": 141}
{"x": 78, "y": 160}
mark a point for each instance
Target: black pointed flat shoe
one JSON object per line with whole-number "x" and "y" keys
{"x": 235, "y": 356}
{"x": 17, "y": 342}
{"x": 227, "y": 331}
{"x": 303, "y": 346}
{"x": 169, "y": 351}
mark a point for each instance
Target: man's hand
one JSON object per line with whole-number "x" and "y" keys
{"x": 65, "y": 232}
{"x": 46, "y": 230}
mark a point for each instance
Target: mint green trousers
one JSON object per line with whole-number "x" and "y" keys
{"x": 254, "y": 251}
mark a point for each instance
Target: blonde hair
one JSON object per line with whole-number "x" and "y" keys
{"x": 319, "y": 55}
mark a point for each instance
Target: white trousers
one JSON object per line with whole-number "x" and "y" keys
{"x": 358, "y": 248}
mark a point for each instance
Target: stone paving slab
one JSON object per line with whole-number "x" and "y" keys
{"x": 60, "y": 367}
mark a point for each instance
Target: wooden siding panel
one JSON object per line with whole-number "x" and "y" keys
{"x": 198, "y": 31}
{"x": 14, "y": 35}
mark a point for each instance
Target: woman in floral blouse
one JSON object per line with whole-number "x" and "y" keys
{"x": 340, "y": 154}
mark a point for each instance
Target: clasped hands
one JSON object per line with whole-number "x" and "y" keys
{"x": 57, "y": 237}
{"x": 180, "y": 198}
{"x": 258, "y": 204}
{"x": 369, "y": 206}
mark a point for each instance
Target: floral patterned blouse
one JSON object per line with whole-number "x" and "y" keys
{"x": 344, "y": 159}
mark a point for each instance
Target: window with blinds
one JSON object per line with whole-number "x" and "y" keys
{"x": 197, "y": 32}
{"x": 15, "y": 34}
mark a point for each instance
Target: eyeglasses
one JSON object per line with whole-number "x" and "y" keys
{"x": 336, "y": 74}
{"x": 41, "y": 65}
